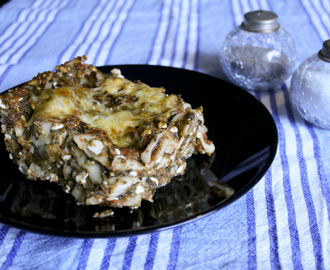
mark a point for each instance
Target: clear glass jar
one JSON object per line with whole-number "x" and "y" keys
{"x": 310, "y": 88}
{"x": 258, "y": 54}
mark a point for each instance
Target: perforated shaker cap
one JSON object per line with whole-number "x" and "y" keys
{"x": 324, "y": 53}
{"x": 260, "y": 21}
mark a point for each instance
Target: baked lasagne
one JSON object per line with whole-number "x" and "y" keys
{"x": 103, "y": 138}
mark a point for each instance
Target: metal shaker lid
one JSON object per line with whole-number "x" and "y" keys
{"x": 324, "y": 53}
{"x": 260, "y": 21}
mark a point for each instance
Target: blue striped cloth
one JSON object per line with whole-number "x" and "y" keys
{"x": 283, "y": 222}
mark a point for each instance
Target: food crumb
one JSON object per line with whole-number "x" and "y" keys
{"x": 103, "y": 214}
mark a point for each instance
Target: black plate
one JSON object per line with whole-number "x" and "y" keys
{"x": 242, "y": 129}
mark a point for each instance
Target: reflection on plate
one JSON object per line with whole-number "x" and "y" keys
{"x": 241, "y": 128}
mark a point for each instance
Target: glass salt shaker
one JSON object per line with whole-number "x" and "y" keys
{"x": 258, "y": 54}
{"x": 310, "y": 88}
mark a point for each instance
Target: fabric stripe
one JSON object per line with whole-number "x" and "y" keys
{"x": 175, "y": 246}
{"x": 112, "y": 30}
{"x": 4, "y": 70}
{"x": 177, "y": 34}
{"x": 149, "y": 264}
{"x": 21, "y": 24}
{"x": 315, "y": 19}
{"x": 8, "y": 243}
{"x": 324, "y": 183}
{"x": 129, "y": 253}
{"x": 265, "y": 5}
{"x": 107, "y": 254}
{"x": 13, "y": 252}
{"x": 303, "y": 229}
{"x": 63, "y": 5}
{"x": 245, "y": 6}
{"x": 237, "y": 12}
{"x": 325, "y": 21}
{"x": 262, "y": 229}
{"x": 3, "y": 232}
{"x": 161, "y": 33}
{"x": 84, "y": 255}
{"x": 118, "y": 31}
{"x": 251, "y": 223}
{"x": 166, "y": 34}
{"x": 18, "y": 25}
{"x": 323, "y": 210}
{"x": 140, "y": 255}
{"x": 320, "y": 166}
{"x": 294, "y": 237}
{"x": 106, "y": 28}
{"x": 160, "y": 20}
{"x": 283, "y": 232}
{"x": 82, "y": 33}
{"x": 318, "y": 253}
{"x": 95, "y": 31}
{"x": 26, "y": 34}
{"x": 188, "y": 58}
{"x": 254, "y": 4}
{"x": 233, "y": 13}
{"x": 272, "y": 224}
{"x": 163, "y": 250}
{"x": 20, "y": 52}
{"x": 192, "y": 36}
{"x": 96, "y": 255}
{"x": 251, "y": 226}
{"x": 171, "y": 35}
{"x": 181, "y": 41}
{"x": 198, "y": 30}
{"x": 326, "y": 5}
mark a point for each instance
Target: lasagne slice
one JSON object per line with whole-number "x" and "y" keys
{"x": 103, "y": 138}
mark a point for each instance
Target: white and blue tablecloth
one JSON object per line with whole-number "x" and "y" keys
{"x": 282, "y": 223}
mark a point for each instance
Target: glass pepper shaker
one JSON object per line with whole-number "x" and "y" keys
{"x": 258, "y": 54}
{"x": 310, "y": 88}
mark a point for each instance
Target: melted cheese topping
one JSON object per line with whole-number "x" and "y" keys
{"x": 141, "y": 104}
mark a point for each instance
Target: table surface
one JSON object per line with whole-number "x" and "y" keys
{"x": 283, "y": 222}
